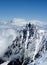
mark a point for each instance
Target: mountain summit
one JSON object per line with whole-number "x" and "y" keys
{"x": 28, "y": 47}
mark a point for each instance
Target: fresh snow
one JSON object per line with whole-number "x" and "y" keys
{"x": 5, "y": 63}
{"x": 36, "y": 42}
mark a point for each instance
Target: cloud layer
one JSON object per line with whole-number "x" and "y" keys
{"x": 8, "y": 31}
{"x": 21, "y": 22}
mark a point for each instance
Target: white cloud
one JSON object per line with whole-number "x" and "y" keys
{"x": 6, "y": 38}
{"x": 18, "y": 22}
{"x": 40, "y": 24}
{"x": 21, "y": 22}
{"x": 37, "y": 22}
{"x": 8, "y": 31}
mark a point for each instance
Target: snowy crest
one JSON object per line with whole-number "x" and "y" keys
{"x": 29, "y": 45}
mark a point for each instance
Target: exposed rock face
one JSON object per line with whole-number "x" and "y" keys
{"x": 27, "y": 47}
{"x": 1, "y": 61}
{"x": 15, "y": 62}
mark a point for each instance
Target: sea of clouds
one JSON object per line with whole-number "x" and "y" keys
{"x": 8, "y": 31}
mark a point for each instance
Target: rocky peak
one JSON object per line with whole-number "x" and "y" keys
{"x": 27, "y": 46}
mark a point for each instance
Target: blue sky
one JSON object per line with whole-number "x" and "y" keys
{"x": 27, "y": 9}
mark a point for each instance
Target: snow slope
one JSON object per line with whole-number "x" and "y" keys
{"x": 28, "y": 47}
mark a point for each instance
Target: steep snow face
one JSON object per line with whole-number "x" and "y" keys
{"x": 28, "y": 46}
{"x": 39, "y": 36}
{"x": 5, "y": 63}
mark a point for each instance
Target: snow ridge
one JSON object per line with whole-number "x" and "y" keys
{"x": 28, "y": 47}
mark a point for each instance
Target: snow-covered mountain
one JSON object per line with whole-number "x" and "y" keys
{"x": 28, "y": 48}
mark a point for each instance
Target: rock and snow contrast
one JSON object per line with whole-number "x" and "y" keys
{"x": 28, "y": 47}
